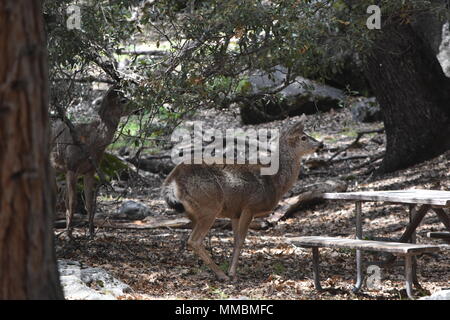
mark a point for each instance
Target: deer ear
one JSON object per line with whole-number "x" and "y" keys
{"x": 303, "y": 118}
{"x": 298, "y": 127}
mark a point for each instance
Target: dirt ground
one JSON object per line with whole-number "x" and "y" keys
{"x": 156, "y": 264}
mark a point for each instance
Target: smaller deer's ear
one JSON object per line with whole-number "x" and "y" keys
{"x": 302, "y": 118}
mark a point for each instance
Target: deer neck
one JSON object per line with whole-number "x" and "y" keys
{"x": 288, "y": 170}
{"x": 108, "y": 125}
{"x": 110, "y": 120}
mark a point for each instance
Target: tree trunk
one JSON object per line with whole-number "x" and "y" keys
{"x": 27, "y": 256}
{"x": 414, "y": 95}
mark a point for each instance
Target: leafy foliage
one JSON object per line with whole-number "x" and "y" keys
{"x": 199, "y": 53}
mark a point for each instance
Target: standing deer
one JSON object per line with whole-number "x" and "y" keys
{"x": 75, "y": 160}
{"x": 239, "y": 192}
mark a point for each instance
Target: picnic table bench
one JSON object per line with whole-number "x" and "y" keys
{"x": 420, "y": 202}
{"x": 402, "y": 249}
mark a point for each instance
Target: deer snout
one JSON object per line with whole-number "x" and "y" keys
{"x": 316, "y": 144}
{"x": 320, "y": 145}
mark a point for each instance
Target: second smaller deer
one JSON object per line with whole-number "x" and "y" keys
{"x": 75, "y": 160}
{"x": 239, "y": 192}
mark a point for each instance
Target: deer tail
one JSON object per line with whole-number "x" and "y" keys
{"x": 168, "y": 193}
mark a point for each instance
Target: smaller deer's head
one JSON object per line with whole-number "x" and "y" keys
{"x": 96, "y": 103}
{"x": 299, "y": 141}
{"x": 116, "y": 97}
{"x": 114, "y": 104}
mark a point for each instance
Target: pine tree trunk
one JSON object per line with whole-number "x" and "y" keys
{"x": 414, "y": 95}
{"x": 27, "y": 256}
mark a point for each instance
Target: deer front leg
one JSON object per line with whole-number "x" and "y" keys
{"x": 234, "y": 227}
{"x": 240, "y": 228}
{"x": 90, "y": 196}
{"x": 71, "y": 200}
{"x": 195, "y": 242}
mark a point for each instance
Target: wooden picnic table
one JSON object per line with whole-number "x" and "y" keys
{"x": 419, "y": 201}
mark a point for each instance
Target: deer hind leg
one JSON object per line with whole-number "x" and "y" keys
{"x": 90, "y": 196}
{"x": 240, "y": 228}
{"x": 71, "y": 200}
{"x": 195, "y": 242}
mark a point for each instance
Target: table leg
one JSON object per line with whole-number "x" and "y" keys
{"x": 412, "y": 211}
{"x": 316, "y": 274}
{"x": 445, "y": 219}
{"x": 409, "y": 276}
{"x": 359, "y": 264}
{"x": 414, "y": 222}
{"x": 416, "y": 219}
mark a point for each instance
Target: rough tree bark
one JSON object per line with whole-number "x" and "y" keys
{"x": 414, "y": 95}
{"x": 27, "y": 256}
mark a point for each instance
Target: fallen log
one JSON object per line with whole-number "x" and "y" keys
{"x": 154, "y": 223}
{"x": 174, "y": 223}
{"x": 147, "y": 223}
{"x": 154, "y": 164}
{"x": 309, "y": 195}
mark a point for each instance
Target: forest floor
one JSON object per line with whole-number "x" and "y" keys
{"x": 156, "y": 264}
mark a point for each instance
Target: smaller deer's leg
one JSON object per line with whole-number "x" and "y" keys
{"x": 195, "y": 242}
{"x": 240, "y": 231}
{"x": 71, "y": 203}
{"x": 234, "y": 227}
{"x": 89, "y": 195}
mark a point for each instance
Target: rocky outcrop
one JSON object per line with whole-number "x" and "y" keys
{"x": 81, "y": 282}
{"x": 301, "y": 96}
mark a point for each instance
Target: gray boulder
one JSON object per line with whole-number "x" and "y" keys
{"x": 84, "y": 283}
{"x": 301, "y": 96}
{"x": 261, "y": 80}
{"x": 133, "y": 210}
{"x": 439, "y": 295}
{"x": 366, "y": 110}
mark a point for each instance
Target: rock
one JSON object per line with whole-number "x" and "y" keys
{"x": 84, "y": 283}
{"x": 302, "y": 96}
{"x": 444, "y": 49}
{"x": 154, "y": 165}
{"x": 439, "y": 295}
{"x": 366, "y": 110}
{"x": 350, "y": 75}
{"x": 133, "y": 210}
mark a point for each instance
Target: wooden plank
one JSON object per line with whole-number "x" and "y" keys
{"x": 416, "y": 196}
{"x": 333, "y": 242}
{"x": 439, "y": 235}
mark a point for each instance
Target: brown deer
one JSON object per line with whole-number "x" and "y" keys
{"x": 239, "y": 192}
{"x": 83, "y": 160}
